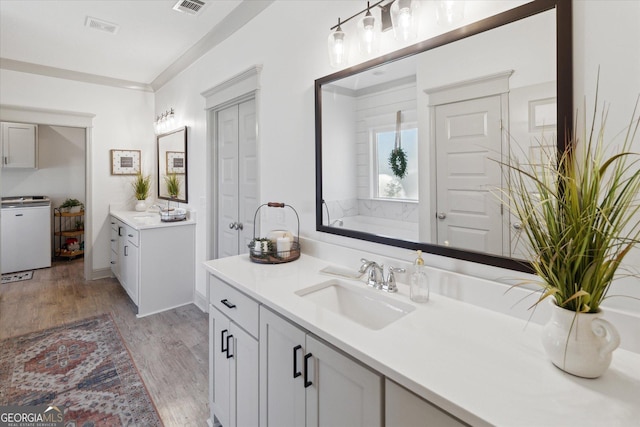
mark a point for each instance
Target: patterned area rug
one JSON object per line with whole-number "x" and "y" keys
{"x": 83, "y": 366}
{"x": 17, "y": 277}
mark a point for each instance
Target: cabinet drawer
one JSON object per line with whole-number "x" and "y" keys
{"x": 240, "y": 308}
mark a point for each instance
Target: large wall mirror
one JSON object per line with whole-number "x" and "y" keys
{"x": 456, "y": 104}
{"x": 172, "y": 165}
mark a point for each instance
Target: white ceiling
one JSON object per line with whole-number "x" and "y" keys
{"x": 153, "y": 43}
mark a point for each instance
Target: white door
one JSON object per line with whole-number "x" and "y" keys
{"x": 468, "y": 137}
{"x": 237, "y": 177}
{"x": 282, "y": 392}
{"x": 341, "y": 392}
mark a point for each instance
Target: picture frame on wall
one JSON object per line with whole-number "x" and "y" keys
{"x": 125, "y": 162}
{"x": 175, "y": 162}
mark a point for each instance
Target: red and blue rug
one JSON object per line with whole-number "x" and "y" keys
{"x": 82, "y": 366}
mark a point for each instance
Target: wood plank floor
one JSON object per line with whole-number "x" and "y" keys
{"x": 170, "y": 349}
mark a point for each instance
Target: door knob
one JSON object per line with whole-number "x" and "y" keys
{"x": 441, "y": 215}
{"x": 232, "y": 225}
{"x": 517, "y": 226}
{"x": 236, "y": 226}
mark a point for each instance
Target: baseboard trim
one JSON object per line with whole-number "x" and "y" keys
{"x": 101, "y": 273}
{"x": 201, "y": 302}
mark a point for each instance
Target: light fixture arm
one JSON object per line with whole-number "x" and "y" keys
{"x": 360, "y": 13}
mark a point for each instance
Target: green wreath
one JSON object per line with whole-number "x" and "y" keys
{"x": 398, "y": 162}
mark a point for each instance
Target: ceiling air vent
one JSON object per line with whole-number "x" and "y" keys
{"x": 191, "y": 7}
{"x": 98, "y": 24}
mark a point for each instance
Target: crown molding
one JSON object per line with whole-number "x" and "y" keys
{"x": 61, "y": 73}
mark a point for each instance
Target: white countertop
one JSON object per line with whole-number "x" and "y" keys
{"x": 481, "y": 366}
{"x": 146, "y": 220}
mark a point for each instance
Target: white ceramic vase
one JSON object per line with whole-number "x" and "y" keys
{"x": 141, "y": 206}
{"x": 579, "y": 343}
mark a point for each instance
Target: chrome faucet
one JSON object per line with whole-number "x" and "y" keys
{"x": 375, "y": 275}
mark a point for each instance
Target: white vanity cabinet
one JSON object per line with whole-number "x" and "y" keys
{"x": 233, "y": 356}
{"x": 305, "y": 382}
{"x": 19, "y": 145}
{"x": 153, "y": 263}
{"x": 405, "y": 409}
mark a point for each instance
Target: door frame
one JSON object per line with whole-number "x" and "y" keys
{"x": 75, "y": 119}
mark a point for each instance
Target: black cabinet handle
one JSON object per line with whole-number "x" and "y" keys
{"x": 120, "y": 231}
{"x": 227, "y": 303}
{"x": 296, "y": 373}
{"x": 126, "y": 251}
{"x": 307, "y": 383}
{"x": 222, "y": 349}
{"x": 229, "y": 356}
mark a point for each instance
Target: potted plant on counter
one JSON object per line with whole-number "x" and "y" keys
{"x": 141, "y": 187}
{"x": 581, "y": 218}
{"x": 173, "y": 185}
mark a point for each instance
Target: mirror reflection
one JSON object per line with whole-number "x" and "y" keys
{"x": 450, "y": 112}
{"x": 172, "y": 165}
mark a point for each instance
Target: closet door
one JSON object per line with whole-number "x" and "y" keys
{"x": 237, "y": 177}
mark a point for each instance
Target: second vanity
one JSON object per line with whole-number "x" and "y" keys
{"x": 153, "y": 260}
{"x": 283, "y": 352}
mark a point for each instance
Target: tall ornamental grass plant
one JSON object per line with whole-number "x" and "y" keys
{"x": 580, "y": 214}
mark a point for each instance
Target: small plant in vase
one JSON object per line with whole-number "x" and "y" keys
{"x": 580, "y": 218}
{"x": 141, "y": 187}
{"x": 173, "y": 185}
{"x": 72, "y": 205}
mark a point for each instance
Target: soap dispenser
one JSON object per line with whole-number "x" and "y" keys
{"x": 419, "y": 291}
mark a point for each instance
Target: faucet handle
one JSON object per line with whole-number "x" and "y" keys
{"x": 390, "y": 283}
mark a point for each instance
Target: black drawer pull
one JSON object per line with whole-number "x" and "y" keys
{"x": 307, "y": 383}
{"x": 222, "y": 349}
{"x": 229, "y": 356}
{"x": 296, "y": 373}
{"x": 227, "y": 303}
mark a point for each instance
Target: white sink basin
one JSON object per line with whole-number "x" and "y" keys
{"x": 367, "y": 307}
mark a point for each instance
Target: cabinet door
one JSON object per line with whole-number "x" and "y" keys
{"x": 220, "y": 338}
{"x": 132, "y": 270}
{"x": 405, "y": 409}
{"x": 245, "y": 378}
{"x": 282, "y": 401}
{"x": 19, "y": 145}
{"x": 342, "y": 392}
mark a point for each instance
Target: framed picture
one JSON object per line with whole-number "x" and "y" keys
{"x": 125, "y": 162}
{"x": 175, "y": 162}
{"x": 543, "y": 114}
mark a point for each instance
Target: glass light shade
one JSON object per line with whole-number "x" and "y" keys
{"x": 450, "y": 12}
{"x": 368, "y": 31}
{"x": 404, "y": 19}
{"x": 338, "y": 48}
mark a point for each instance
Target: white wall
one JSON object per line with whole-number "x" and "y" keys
{"x": 123, "y": 120}
{"x": 294, "y": 55}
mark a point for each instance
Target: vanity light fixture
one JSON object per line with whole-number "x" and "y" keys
{"x": 397, "y": 14}
{"x": 164, "y": 122}
{"x": 338, "y": 51}
{"x": 449, "y": 12}
{"x": 368, "y": 29}
{"x": 403, "y": 19}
